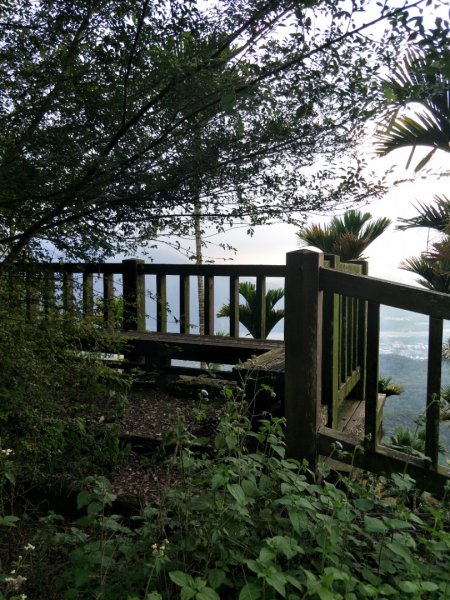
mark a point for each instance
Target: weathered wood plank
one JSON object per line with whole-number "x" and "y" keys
{"x": 216, "y": 270}
{"x": 67, "y": 293}
{"x": 161, "y": 306}
{"x": 88, "y": 294}
{"x": 398, "y": 295}
{"x": 133, "y": 283}
{"x": 209, "y": 305}
{"x": 267, "y": 363}
{"x": 108, "y": 298}
{"x": 185, "y": 303}
{"x": 373, "y": 337}
{"x": 234, "y": 306}
{"x": 433, "y": 390}
{"x": 261, "y": 307}
{"x": 49, "y": 294}
{"x": 197, "y": 347}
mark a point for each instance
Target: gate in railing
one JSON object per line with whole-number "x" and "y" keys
{"x": 311, "y": 285}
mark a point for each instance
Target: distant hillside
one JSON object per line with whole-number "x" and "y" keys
{"x": 402, "y": 411}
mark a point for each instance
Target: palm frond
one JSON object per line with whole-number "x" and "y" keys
{"x": 319, "y": 236}
{"x": 436, "y": 216}
{"x": 248, "y": 311}
{"x": 420, "y": 83}
{"x": 433, "y": 276}
{"x": 347, "y": 236}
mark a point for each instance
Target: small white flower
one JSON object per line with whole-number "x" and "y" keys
{"x": 7, "y": 451}
{"x": 29, "y": 547}
{"x": 339, "y": 445}
{"x": 204, "y": 393}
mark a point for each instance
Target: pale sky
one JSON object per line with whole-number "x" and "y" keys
{"x": 269, "y": 244}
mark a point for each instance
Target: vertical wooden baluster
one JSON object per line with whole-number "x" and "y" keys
{"x": 161, "y": 307}
{"x": 67, "y": 294}
{"x": 88, "y": 294}
{"x": 108, "y": 299}
{"x": 353, "y": 333}
{"x": 234, "y": 306}
{"x": 344, "y": 337}
{"x": 31, "y": 296}
{"x": 360, "y": 390}
{"x": 185, "y": 313}
{"x": 133, "y": 280}
{"x": 49, "y": 294}
{"x": 209, "y": 305}
{"x": 433, "y": 390}
{"x": 303, "y": 349}
{"x": 261, "y": 307}
{"x": 373, "y": 342}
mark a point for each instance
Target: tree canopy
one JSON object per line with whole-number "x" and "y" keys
{"x": 100, "y": 101}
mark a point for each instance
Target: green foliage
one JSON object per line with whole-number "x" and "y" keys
{"x": 432, "y": 266}
{"x": 420, "y": 80}
{"x": 347, "y": 236}
{"x": 248, "y": 312}
{"x": 245, "y": 522}
{"x": 407, "y": 441}
{"x": 59, "y": 405}
{"x": 101, "y": 102}
{"x": 390, "y": 389}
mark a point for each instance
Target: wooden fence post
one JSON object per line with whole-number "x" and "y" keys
{"x": 133, "y": 295}
{"x": 303, "y": 352}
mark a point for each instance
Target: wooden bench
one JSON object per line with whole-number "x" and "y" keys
{"x": 158, "y": 349}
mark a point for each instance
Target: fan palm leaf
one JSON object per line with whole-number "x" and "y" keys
{"x": 248, "y": 312}
{"x": 434, "y": 275}
{"x": 422, "y": 85}
{"x": 347, "y": 236}
{"x": 435, "y": 216}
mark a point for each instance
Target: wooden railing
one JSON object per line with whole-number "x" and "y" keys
{"x": 86, "y": 288}
{"x": 306, "y": 435}
{"x": 331, "y": 337}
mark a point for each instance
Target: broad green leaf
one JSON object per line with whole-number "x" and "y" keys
{"x": 9, "y": 521}
{"x": 181, "y": 579}
{"x": 250, "y": 591}
{"x": 237, "y": 492}
{"x": 285, "y": 545}
{"x": 374, "y": 525}
{"x": 429, "y": 586}
{"x": 81, "y": 576}
{"x": 363, "y": 504}
{"x": 400, "y": 550}
{"x": 216, "y": 577}
{"x": 207, "y": 594}
{"x": 408, "y": 587}
{"x": 10, "y": 477}
{"x": 278, "y": 582}
{"x": 83, "y": 499}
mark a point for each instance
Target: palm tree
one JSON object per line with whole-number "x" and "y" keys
{"x": 433, "y": 266}
{"x": 248, "y": 312}
{"x": 347, "y": 236}
{"x": 421, "y": 84}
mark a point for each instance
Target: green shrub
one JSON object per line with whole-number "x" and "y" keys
{"x": 246, "y": 523}
{"x": 58, "y": 404}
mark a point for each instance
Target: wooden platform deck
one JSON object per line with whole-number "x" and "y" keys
{"x": 211, "y": 349}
